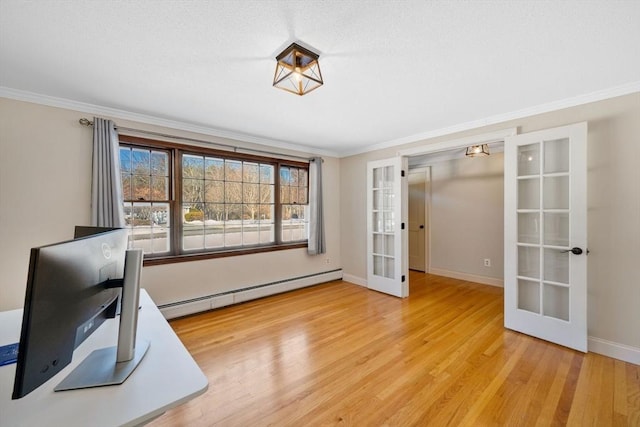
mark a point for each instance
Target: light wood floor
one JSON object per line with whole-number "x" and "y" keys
{"x": 339, "y": 354}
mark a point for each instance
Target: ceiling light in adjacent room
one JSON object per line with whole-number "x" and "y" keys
{"x": 478, "y": 150}
{"x": 298, "y": 70}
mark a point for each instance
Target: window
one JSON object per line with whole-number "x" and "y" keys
{"x": 226, "y": 203}
{"x": 294, "y": 193}
{"x": 219, "y": 203}
{"x": 145, "y": 188}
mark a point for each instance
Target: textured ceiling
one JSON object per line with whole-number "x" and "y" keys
{"x": 394, "y": 70}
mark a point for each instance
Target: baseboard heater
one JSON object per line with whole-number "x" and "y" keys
{"x": 196, "y": 305}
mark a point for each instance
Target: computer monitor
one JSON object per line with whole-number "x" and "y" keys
{"x": 70, "y": 292}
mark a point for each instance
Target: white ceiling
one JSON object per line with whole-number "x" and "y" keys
{"x": 394, "y": 71}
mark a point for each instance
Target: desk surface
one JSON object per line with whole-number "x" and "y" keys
{"x": 167, "y": 377}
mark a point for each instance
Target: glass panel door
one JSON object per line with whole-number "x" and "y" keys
{"x": 385, "y": 218}
{"x": 545, "y": 234}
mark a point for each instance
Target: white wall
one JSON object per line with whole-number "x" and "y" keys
{"x": 613, "y": 216}
{"x": 45, "y": 188}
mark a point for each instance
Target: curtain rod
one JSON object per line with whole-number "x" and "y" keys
{"x": 86, "y": 122}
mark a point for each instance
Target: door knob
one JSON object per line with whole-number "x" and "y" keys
{"x": 575, "y": 251}
{"x": 421, "y": 226}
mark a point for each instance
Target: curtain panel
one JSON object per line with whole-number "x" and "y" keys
{"x": 316, "y": 245}
{"x": 106, "y": 189}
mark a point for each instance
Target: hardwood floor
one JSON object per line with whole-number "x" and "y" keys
{"x": 339, "y": 354}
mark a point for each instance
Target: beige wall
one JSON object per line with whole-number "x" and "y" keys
{"x": 467, "y": 213}
{"x": 613, "y": 215}
{"x": 45, "y": 173}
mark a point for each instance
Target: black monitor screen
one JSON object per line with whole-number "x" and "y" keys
{"x": 66, "y": 299}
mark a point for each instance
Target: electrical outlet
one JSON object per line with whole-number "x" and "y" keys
{"x": 487, "y": 262}
{"x": 328, "y": 260}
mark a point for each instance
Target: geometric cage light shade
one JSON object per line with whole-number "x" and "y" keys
{"x": 297, "y": 70}
{"x": 478, "y": 150}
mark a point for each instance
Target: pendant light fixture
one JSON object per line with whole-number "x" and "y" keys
{"x": 297, "y": 70}
{"x": 478, "y": 150}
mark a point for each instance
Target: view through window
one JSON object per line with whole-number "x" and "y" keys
{"x": 179, "y": 200}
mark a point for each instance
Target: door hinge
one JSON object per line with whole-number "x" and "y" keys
{"x": 402, "y": 173}
{"x": 402, "y": 226}
{"x": 403, "y": 278}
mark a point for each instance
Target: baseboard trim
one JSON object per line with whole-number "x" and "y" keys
{"x": 354, "y": 279}
{"x": 615, "y": 350}
{"x": 485, "y": 280}
{"x": 209, "y": 302}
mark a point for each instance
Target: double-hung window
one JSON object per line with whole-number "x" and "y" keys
{"x": 183, "y": 201}
{"x": 294, "y": 193}
{"x": 146, "y": 177}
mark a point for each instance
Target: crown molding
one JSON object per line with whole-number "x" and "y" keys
{"x": 600, "y": 95}
{"x": 86, "y": 108}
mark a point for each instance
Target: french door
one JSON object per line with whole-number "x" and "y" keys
{"x": 387, "y": 267}
{"x": 545, "y": 291}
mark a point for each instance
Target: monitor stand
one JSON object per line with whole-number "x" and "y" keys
{"x": 113, "y": 365}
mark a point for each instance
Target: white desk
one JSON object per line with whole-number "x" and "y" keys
{"x": 167, "y": 377}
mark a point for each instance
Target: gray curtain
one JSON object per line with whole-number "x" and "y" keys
{"x": 106, "y": 189}
{"x": 316, "y": 214}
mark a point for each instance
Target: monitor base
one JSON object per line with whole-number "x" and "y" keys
{"x": 101, "y": 369}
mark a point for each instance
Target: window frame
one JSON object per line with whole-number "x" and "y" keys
{"x": 176, "y": 151}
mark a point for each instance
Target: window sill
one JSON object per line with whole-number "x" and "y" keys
{"x": 221, "y": 254}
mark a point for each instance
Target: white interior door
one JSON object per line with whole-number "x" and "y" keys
{"x": 418, "y": 219}
{"x": 387, "y": 267}
{"x": 546, "y": 235}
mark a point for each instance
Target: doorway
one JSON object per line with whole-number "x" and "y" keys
{"x": 543, "y": 219}
{"x": 463, "y": 217}
{"x": 419, "y": 204}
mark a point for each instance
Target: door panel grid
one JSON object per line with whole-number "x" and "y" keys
{"x": 543, "y": 267}
{"x": 383, "y": 222}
